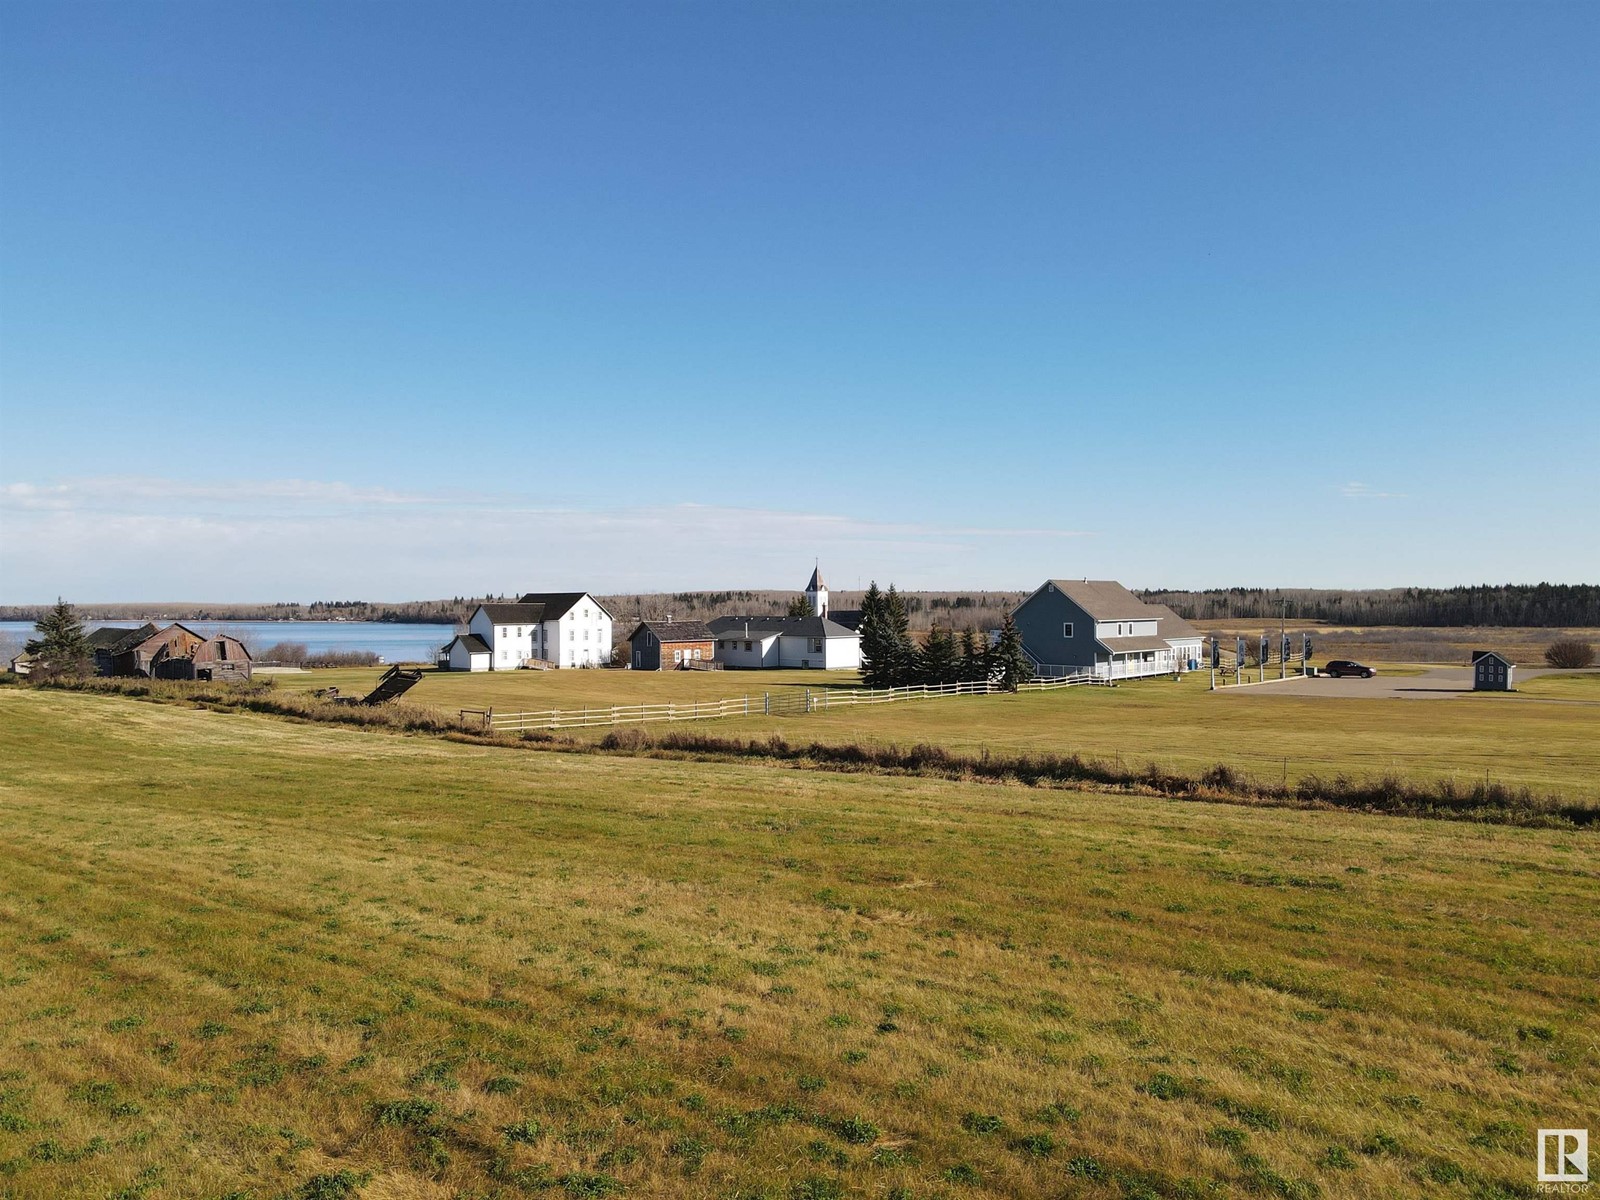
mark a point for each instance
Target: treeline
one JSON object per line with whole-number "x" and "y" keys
{"x": 1536, "y": 605}
{"x": 891, "y": 657}
{"x": 401, "y": 612}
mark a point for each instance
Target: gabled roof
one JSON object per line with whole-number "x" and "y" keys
{"x": 138, "y": 638}
{"x": 794, "y": 626}
{"x": 473, "y": 643}
{"x": 559, "y": 604}
{"x": 1104, "y": 599}
{"x": 1481, "y": 654}
{"x": 816, "y": 584}
{"x": 675, "y": 631}
{"x": 850, "y": 618}
{"x": 512, "y": 614}
{"x": 1173, "y": 626}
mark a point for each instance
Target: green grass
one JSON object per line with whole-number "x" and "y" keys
{"x": 246, "y": 955}
{"x": 537, "y": 690}
{"x": 1184, "y": 727}
{"x": 1179, "y": 726}
{"x": 1575, "y": 685}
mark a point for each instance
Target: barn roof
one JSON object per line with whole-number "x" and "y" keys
{"x": 133, "y": 637}
{"x": 108, "y": 636}
{"x": 676, "y": 631}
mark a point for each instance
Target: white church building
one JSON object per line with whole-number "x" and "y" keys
{"x": 543, "y": 629}
{"x": 816, "y": 642}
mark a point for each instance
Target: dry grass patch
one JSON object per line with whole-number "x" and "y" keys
{"x": 242, "y": 955}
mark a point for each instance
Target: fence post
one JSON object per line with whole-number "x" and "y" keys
{"x": 488, "y": 719}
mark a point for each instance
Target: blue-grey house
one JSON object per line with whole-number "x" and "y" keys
{"x": 1072, "y": 626}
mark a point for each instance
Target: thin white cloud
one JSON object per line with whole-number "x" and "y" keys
{"x": 1365, "y": 491}
{"x": 141, "y": 538}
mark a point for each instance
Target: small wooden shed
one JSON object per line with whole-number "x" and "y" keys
{"x": 670, "y": 645}
{"x": 1492, "y": 672}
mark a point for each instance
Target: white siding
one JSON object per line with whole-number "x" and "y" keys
{"x": 763, "y": 650}
{"x": 462, "y": 659}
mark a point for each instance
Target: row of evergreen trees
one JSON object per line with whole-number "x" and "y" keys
{"x": 890, "y": 657}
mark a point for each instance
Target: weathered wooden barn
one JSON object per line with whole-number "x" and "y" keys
{"x": 217, "y": 659}
{"x": 106, "y": 642}
{"x": 178, "y": 652}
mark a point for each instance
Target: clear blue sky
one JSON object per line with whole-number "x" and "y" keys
{"x": 397, "y": 299}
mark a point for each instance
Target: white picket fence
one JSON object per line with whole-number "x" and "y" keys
{"x": 794, "y": 702}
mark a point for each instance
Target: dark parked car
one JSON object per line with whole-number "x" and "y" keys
{"x": 1340, "y": 667}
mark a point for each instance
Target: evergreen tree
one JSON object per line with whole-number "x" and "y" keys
{"x": 902, "y": 654}
{"x": 938, "y": 662}
{"x": 974, "y": 665}
{"x": 1009, "y": 666}
{"x": 800, "y": 607}
{"x": 877, "y": 641}
{"x": 61, "y": 647}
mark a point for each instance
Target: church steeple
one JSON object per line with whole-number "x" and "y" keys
{"x": 817, "y": 593}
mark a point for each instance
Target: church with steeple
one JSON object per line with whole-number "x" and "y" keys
{"x": 821, "y": 641}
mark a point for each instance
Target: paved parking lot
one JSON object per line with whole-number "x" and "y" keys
{"x": 1436, "y": 683}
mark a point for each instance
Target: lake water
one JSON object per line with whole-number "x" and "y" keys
{"x": 394, "y": 643}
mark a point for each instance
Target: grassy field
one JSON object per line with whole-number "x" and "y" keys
{"x": 242, "y": 956}
{"x": 1181, "y": 726}
{"x": 535, "y": 690}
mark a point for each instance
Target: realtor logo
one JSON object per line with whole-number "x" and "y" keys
{"x": 1563, "y": 1156}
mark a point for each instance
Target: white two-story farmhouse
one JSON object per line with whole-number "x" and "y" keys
{"x": 543, "y": 629}
{"x": 1072, "y": 626}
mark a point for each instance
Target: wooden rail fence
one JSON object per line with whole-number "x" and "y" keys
{"x": 792, "y": 702}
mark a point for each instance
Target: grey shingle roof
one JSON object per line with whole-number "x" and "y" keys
{"x": 1121, "y": 645}
{"x": 473, "y": 643}
{"x": 794, "y": 626}
{"x": 515, "y": 614}
{"x": 558, "y": 604}
{"x": 1172, "y": 625}
{"x": 676, "y": 631}
{"x": 1104, "y": 599}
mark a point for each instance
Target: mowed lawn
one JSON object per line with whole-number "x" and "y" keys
{"x": 242, "y": 956}
{"x": 1180, "y": 726}
{"x": 519, "y": 691}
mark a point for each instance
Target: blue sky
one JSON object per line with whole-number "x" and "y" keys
{"x": 402, "y": 300}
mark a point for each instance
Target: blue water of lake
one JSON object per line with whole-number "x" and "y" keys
{"x": 392, "y": 642}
